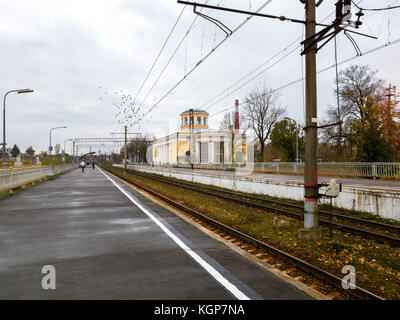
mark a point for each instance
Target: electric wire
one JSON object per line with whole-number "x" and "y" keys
{"x": 257, "y": 68}
{"x": 169, "y": 61}
{"x": 324, "y": 70}
{"x": 159, "y": 53}
{"x": 266, "y": 62}
{"x": 376, "y": 9}
{"x": 254, "y": 70}
{"x": 198, "y": 63}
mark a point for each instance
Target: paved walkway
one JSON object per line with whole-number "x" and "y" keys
{"x": 107, "y": 241}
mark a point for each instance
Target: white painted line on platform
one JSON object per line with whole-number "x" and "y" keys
{"x": 214, "y": 273}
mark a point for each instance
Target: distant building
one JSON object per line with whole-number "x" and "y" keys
{"x": 196, "y": 143}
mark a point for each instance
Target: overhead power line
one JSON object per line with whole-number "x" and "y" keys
{"x": 159, "y": 54}
{"x": 321, "y": 71}
{"x": 254, "y": 70}
{"x": 247, "y": 75}
{"x": 198, "y": 63}
{"x": 254, "y": 77}
{"x": 376, "y": 9}
{"x": 260, "y": 66}
{"x": 169, "y": 61}
{"x": 251, "y": 79}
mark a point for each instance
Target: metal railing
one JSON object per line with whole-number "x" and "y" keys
{"x": 348, "y": 169}
{"x": 12, "y": 178}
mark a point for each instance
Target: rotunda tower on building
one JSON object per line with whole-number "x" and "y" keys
{"x": 200, "y": 120}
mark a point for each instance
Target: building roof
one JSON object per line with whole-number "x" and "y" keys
{"x": 194, "y": 111}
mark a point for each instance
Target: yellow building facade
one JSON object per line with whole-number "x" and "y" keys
{"x": 197, "y": 144}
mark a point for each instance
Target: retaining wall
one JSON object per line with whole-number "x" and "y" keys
{"x": 383, "y": 202}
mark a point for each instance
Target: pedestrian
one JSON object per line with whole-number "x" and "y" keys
{"x": 83, "y": 165}
{"x": 93, "y": 164}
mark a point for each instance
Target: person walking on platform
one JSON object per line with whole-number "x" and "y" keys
{"x": 93, "y": 164}
{"x": 83, "y": 165}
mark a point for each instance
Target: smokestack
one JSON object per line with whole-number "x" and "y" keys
{"x": 237, "y": 116}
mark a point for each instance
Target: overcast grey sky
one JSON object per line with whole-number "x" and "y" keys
{"x": 77, "y": 55}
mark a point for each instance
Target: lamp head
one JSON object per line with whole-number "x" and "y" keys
{"x": 24, "y": 91}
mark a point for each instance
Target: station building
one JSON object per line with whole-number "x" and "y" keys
{"x": 196, "y": 143}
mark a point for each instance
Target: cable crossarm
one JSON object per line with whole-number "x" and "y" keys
{"x": 342, "y": 22}
{"x": 321, "y": 35}
{"x": 218, "y": 23}
{"x": 251, "y": 13}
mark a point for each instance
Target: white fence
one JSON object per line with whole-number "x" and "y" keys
{"x": 350, "y": 169}
{"x": 12, "y": 178}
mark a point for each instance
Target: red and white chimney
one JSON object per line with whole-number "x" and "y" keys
{"x": 236, "y": 116}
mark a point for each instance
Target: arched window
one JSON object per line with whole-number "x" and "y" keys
{"x": 186, "y": 120}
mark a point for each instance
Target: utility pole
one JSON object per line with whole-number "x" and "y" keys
{"x": 126, "y": 149}
{"x": 311, "y": 230}
{"x": 191, "y": 138}
{"x": 390, "y": 94}
{"x": 342, "y": 22}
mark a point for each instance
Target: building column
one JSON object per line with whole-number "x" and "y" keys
{"x": 210, "y": 150}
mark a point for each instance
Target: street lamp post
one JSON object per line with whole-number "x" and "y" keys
{"x": 19, "y": 91}
{"x": 51, "y": 148}
{"x": 64, "y": 148}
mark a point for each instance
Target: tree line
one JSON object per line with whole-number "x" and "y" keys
{"x": 363, "y": 127}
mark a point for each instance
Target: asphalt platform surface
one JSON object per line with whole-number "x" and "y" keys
{"x": 105, "y": 240}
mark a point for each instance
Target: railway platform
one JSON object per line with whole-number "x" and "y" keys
{"x": 107, "y": 240}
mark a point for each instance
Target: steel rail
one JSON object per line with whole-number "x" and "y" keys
{"x": 367, "y": 223}
{"x": 342, "y": 227}
{"x": 305, "y": 266}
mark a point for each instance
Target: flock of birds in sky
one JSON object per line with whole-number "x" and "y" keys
{"x": 127, "y": 112}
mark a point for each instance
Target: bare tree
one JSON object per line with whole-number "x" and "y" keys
{"x": 137, "y": 148}
{"x": 356, "y": 83}
{"x": 263, "y": 111}
{"x": 228, "y": 124}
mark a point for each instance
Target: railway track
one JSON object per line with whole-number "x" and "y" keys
{"x": 306, "y": 267}
{"x": 272, "y": 206}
